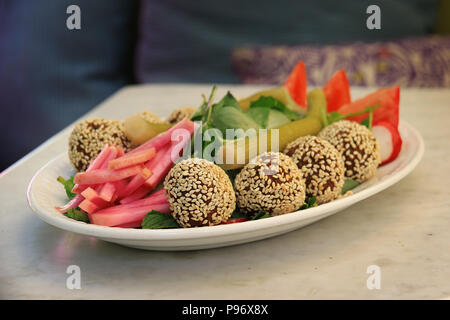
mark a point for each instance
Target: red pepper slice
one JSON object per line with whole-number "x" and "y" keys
{"x": 296, "y": 84}
{"x": 337, "y": 91}
{"x": 389, "y": 100}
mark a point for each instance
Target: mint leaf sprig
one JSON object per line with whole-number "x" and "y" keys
{"x": 309, "y": 203}
{"x": 68, "y": 186}
{"x": 158, "y": 220}
{"x": 331, "y": 117}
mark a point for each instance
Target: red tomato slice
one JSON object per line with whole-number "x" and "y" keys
{"x": 388, "y": 98}
{"x": 337, "y": 91}
{"x": 296, "y": 84}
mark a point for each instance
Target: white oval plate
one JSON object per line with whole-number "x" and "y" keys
{"x": 44, "y": 193}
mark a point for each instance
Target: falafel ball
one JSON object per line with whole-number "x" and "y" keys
{"x": 88, "y": 138}
{"x": 272, "y": 183}
{"x": 322, "y": 167}
{"x": 179, "y": 114}
{"x": 200, "y": 193}
{"x": 358, "y": 146}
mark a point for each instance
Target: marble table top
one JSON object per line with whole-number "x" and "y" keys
{"x": 403, "y": 230}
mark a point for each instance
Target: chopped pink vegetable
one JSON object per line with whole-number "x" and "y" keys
{"x": 72, "y": 204}
{"x": 126, "y": 215}
{"x": 94, "y": 197}
{"x": 138, "y": 194}
{"x": 107, "y": 191}
{"x": 135, "y": 224}
{"x": 165, "y": 163}
{"x": 129, "y": 160}
{"x": 105, "y": 175}
{"x": 155, "y": 198}
{"x": 120, "y": 152}
{"x": 165, "y": 137}
{"x": 135, "y": 183}
{"x": 102, "y": 164}
{"x": 100, "y": 159}
{"x": 88, "y": 206}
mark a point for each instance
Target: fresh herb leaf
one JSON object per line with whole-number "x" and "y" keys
{"x": 158, "y": 220}
{"x": 259, "y": 115}
{"x": 336, "y": 116}
{"x": 202, "y": 112}
{"x": 368, "y": 121}
{"x": 272, "y": 103}
{"x": 77, "y": 214}
{"x": 309, "y": 203}
{"x": 365, "y": 122}
{"x": 68, "y": 186}
{"x": 349, "y": 184}
{"x": 269, "y": 112}
{"x": 260, "y": 215}
{"x": 224, "y": 118}
{"x": 237, "y": 214}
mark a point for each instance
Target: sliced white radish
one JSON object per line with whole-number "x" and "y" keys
{"x": 389, "y": 140}
{"x": 384, "y": 138}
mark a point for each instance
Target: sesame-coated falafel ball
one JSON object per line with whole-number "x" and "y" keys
{"x": 322, "y": 167}
{"x": 88, "y": 138}
{"x": 358, "y": 146}
{"x": 200, "y": 193}
{"x": 271, "y": 183}
{"x": 179, "y": 114}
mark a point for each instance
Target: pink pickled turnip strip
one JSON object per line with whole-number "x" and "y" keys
{"x": 159, "y": 155}
{"x": 165, "y": 137}
{"x": 138, "y": 194}
{"x": 135, "y": 224}
{"x": 105, "y": 175}
{"x": 136, "y": 182}
{"x": 101, "y": 164}
{"x": 128, "y": 160}
{"x": 100, "y": 159}
{"x": 88, "y": 206}
{"x": 120, "y": 152}
{"x": 126, "y": 216}
{"x": 163, "y": 166}
{"x": 93, "y": 196}
{"x": 107, "y": 191}
{"x": 156, "y": 198}
{"x": 72, "y": 204}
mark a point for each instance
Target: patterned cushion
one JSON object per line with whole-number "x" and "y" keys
{"x": 418, "y": 62}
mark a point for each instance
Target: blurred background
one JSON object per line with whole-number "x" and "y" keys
{"x": 50, "y": 75}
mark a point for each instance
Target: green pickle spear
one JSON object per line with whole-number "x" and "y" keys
{"x": 310, "y": 125}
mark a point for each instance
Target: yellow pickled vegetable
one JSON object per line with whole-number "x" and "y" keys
{"x": 138, "y": 130}
{"x": 250, "y": 146}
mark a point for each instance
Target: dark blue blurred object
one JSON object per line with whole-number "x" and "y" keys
{"x": 49, "y": 75}
{"x": 192, "y": 40}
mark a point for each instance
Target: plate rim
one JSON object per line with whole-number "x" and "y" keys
{"x": 225, "y": 229}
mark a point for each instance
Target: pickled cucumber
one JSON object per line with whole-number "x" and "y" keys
{"x": 138, "y": 130}
{"x": 248, "y": 146}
